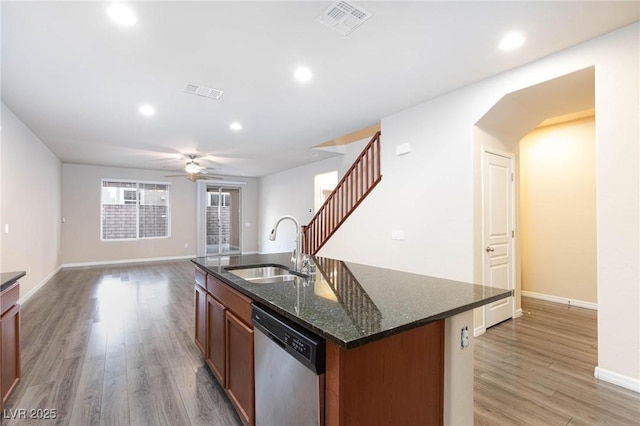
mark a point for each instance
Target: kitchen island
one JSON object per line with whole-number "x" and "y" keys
{"x": 389, "y": 334}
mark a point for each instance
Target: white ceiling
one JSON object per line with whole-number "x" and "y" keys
{"x": 76, "y": 79}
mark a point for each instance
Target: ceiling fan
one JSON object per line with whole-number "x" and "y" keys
{"x": 194, "y": 171}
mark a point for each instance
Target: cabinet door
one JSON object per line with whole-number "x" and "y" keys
{"x": 10, "y": 354}
{"x": 240, "y": 367}
{"x": 201, "y": 318}
{"x": 216, "y": 338}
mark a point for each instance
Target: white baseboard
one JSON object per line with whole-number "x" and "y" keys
{"x": 518, "y": 313}
{"x": 563, "y": 300}
{"x": 117, "y": 262}
{"x": 617, "y": 379}
{"x": 479, "y": 331}
{"x": 38, "y": 286}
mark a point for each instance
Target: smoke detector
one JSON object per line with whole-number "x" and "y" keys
{"x": 343, "y": 17}
{"x": 207, "y": 92}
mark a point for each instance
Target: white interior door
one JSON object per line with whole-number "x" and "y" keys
{"x": 498, "y": 231}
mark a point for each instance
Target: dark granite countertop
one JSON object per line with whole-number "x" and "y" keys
{"x": 353, "y": 304}
{"x": 8, "y": 278}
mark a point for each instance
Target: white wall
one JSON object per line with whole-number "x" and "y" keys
{"x": 429, "y": 193}
{"x": 558, "y": 211}
{"x": 81, "y": 242}
{"x": 30, "y": 189}
{"x": 618, "y": 202}
{"x": 81, "y": 192}
{"x": 426, "y": 193}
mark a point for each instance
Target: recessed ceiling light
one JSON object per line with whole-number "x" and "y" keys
{"x": 121, "y": 14}
{"x": 235, "y": 126}
{"x": 511, "y": 41}
{"x": 303, "y": 74}
{"x": 147, "y": 110}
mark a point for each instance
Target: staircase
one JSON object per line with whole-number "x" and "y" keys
{"x": 354, "y": 187}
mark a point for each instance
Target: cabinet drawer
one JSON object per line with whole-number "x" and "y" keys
{"x": 238, "y": 303}
{"x": 9, "y": 297}
{"x": 201, "y": 278}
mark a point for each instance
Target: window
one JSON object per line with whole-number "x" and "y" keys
{"x": 134, "y": 210}
{"x": 215, "y": 199}
{"x": 130, "y": 197}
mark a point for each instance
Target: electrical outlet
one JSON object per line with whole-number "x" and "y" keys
{"x": 464, "y": 337}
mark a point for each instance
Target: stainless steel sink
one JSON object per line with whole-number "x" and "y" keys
{"x": 264, "y": 274}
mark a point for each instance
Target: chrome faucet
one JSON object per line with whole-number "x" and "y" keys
{"x": 296, "y": 256}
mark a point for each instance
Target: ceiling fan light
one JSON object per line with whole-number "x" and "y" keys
{"x": 192, "y": 168}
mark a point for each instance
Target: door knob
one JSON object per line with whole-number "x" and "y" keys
{"x": 489, "y": 249}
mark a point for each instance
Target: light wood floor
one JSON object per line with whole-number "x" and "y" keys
{"x": 114, "y": 345}
{"x": 538, "y": 370}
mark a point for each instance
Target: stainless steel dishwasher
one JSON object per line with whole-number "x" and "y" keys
{"x": 289, "y": 366}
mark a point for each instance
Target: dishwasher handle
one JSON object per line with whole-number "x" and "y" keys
{"x": 275, "y": 339}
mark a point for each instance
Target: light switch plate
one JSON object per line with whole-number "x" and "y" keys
{"x": 397, "y": 234}
{"x": 403, "y": 148}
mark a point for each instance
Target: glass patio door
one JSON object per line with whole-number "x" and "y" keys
{"x": 222, "y": 220}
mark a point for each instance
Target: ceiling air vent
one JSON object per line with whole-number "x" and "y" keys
{"x": 207, "y": 92}
{"x": 344, "y": 17}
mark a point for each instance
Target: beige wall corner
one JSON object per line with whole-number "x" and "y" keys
{"x": 558, "y": 211}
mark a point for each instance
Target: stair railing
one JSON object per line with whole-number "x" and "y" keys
{"x": 352, "y": 189}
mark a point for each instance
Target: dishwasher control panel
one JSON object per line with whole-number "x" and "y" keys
{"x": 305, "y": 346}
{"x": 298, "y": 345}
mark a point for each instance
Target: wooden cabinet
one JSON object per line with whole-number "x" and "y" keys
{"x": 9, "y": 341}
{"x": 240, "y": 377}
{"x": 201, "y": 318}
{"x": 216, "y": 353}
{"x": 224, "y": 334}
{"x": 398, "y": 380}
